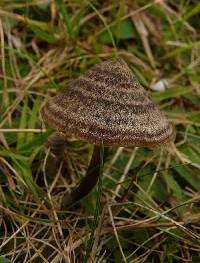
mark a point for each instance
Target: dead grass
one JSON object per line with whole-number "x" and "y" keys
{"x": 149, "y": 209}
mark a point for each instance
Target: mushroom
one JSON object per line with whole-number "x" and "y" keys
{"x": 106, "y": 106}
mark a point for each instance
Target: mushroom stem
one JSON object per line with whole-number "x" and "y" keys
{"x": 90, "y": 179}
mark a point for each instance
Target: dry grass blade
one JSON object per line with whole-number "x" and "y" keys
{"x": 116, "y": 234}
{"x": 125, "y": 172}
{"x": 144, "y": 37}
{"x": 47, "y": 46}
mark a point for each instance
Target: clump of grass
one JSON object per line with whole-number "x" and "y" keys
{"x": 45, "y": 44}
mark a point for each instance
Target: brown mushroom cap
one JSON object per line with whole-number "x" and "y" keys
{"x": 108, "y": 105}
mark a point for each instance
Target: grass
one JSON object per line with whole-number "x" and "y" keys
{"x": 149, "y": 207}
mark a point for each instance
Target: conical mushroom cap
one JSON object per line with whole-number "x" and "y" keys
{"x": 108, "y": 105}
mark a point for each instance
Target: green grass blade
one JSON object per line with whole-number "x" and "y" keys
{"x": 4, "y": 260}
{"x": 180, "y": 50}
{"x": 189, "y": 175}
{"x": 192, "y": 12}
{"x": 106, "y": 26}
{"x": 171, "y": 93}
{"x": 98, "y": 208}
{"x": 174, "y": 187}
{"x": 67, "y": 19}
{"x": 48, "y": 37}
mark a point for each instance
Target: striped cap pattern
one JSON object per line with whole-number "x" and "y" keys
{"x": 108, "y": 105}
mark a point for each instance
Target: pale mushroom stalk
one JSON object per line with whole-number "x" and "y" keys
{"x": 90, "y": 180}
